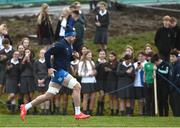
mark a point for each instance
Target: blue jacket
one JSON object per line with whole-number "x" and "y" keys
{"x": 62, "y": 52}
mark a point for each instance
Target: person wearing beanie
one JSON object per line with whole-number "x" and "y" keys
{"x": 175, "y": 78}
{"x": 62, "y": 52}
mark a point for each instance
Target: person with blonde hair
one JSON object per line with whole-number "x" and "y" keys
{"x": 4, "y": 34}
{"x": 87, "y": 72}
{"x": 64, "y": 20}
{"x": 45, "y": 31}
{"x": 163, "y": 39}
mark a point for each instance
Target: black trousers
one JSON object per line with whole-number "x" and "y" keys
{"x": 149, "y": 97}
{"x": 175, "y": 102}
{"x": 162, "y": 95}
{"x": 93, "y": 4}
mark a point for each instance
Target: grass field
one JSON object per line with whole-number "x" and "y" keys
{"x": 117, "y": 44}
{"x": 100, "y": 121}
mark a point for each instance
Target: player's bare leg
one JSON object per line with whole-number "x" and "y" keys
{"x": 53, "y": 89}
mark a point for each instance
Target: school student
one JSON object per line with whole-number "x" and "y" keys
{"x": 12, "y": 81}
{"x": 139, "y": 82}
{"x": 5, "y": 55}
{"x": 42, "y": 79}
{"x": 149, "y": 86}
{"x": 163, "y": 39}
{"x": 175, "y": 79}
{"x": 63, "y": 21}
{"x": 87, "y": 72}
{"x": 111, "y": 82}
{"x": 101, "y": 81}
{"x": 27, "y": 83}
{"x": 102, "y": 21}
{"x": 125, "y": 75}
{"x": 162, "y": 77}
{"x": 45, "y": 31}
{"x": 79, "y": 29}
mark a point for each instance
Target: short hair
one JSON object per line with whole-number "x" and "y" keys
{"x": 130, "y": 47}
{"x": 5, "y": 41}
{"x": 155, "y": 58}
{"x": 174, "y": 52}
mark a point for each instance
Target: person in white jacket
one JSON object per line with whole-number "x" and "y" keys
{"x": 87, "y": 72}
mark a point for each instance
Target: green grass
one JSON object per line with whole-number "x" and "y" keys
{"x": 118, "y": 43}
{"x": 104, "y": 121}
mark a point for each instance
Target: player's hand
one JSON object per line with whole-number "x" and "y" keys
{"x": 51, "y": 71}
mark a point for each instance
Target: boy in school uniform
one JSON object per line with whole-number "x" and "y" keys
{"x": 162, "y": 84}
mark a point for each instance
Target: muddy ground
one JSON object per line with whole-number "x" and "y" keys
{"x": 124, "y": 21}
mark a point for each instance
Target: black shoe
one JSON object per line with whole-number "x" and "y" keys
{"x": 112, "y": 112}
{"x": 117, "y": 112}
{"x": 13, "y": 108}
{"x": 8, "y": 105}
{"x": 64, "y": 111}
{"x": 123, "y": 113}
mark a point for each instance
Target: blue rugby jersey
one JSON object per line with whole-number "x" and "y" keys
{"x": 62, "y": 52}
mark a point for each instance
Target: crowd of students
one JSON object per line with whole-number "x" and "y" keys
{"x": 123, "y": 80}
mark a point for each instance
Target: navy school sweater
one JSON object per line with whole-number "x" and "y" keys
{"x": 62, "y": 52}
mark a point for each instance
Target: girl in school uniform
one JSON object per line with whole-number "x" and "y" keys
{"x": 5, "y": 55}
{"x": 45, "y": 30}
{"x": 111, "y": 82}
{"x": 27, "y": 84}
{"x": 139, "y": 82}
{"x": 42, "y": 79}
{"x": 101, "y": 81}
{"x": 125, "y": 74}
{"x": 87, "y": 72}
{"x": 20, "y": 49}
{"x": 102, "y": 23}
{"x": 12, "y": 81}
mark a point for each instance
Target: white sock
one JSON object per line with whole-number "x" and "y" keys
{"x": 28, "y": 106}
{"x": 77, "y": 110}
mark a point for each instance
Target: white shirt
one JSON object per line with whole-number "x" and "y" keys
{"x": 84, "y": 70}
{"x": 137, "y": 82}
{"x": 63, "y": 26}
{"x": 1, "y": 39}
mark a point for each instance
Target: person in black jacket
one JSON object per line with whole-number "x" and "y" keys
{"x": 79, "y": 29}
{"x": 175, "y": 78}
{"x": 4, "y": 34}
{"x": 175, "y": 33}
{"x": 111, "y": 82}
{"x": 126, "y": 74}
{"x": 102, "y": 23}
{"x": 42, "y": 79}
{"x": 27, "y": 83}
{"x": 12, "y": 80}
{"x": 163, "y": 39}
{"x": 5, "y": 55}
{"x": 45, "y": 31}
{"x": 101, "y": 81}
{"x": 162, "y": 72}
